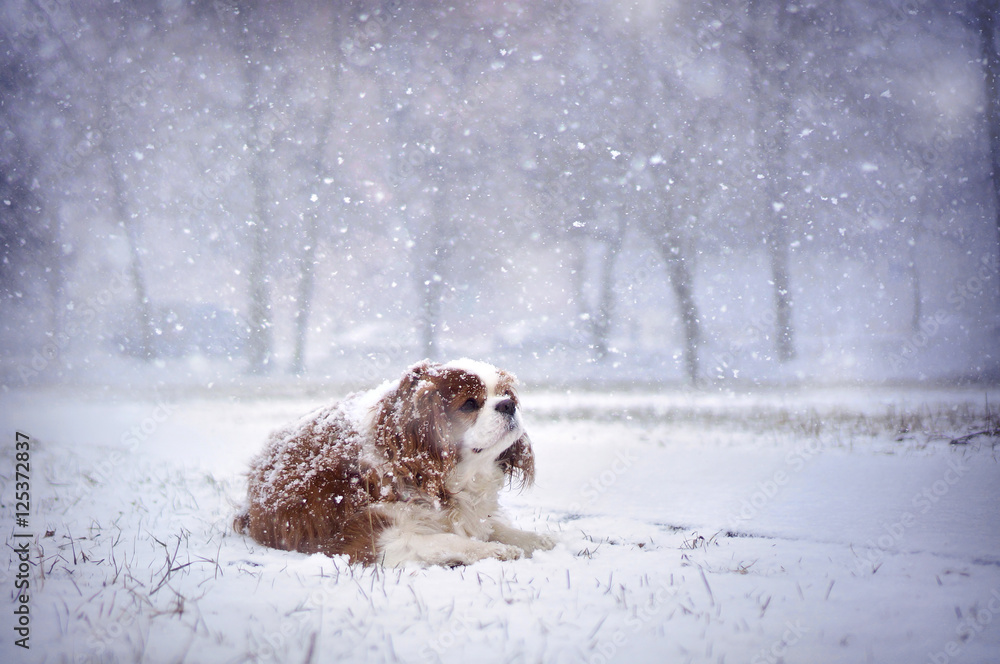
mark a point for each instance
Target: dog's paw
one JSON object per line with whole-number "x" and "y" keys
{"x": 503, "y": 551}
{"x": 529, "y": 541}
{"x": 477, "y": 551}
{"x": 544, "y": 542}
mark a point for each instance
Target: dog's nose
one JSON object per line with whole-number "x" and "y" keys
{"x": 507, "y": 407}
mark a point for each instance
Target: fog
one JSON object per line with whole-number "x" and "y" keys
{"x": 679, "y": 193}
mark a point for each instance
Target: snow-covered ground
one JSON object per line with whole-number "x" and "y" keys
{"x": 818, "y": 525}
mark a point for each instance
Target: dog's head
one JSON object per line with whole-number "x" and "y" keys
{"x": 440, "y": 415}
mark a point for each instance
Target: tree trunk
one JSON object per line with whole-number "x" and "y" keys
{"x": 343, "y": 15}
{"x": 259, "y": 314}
{"x": 606, "y": 302}
{"x": 577, "y": 250}
{"x": 429, "y": 317}
{"x": 770, "y": 87}
{"x": 917, "y": 295}
{"x": 143, "y": 312}
{"x": 430, "y": 305}
{"x": 681, "y": 283}
{"x": 307, "y": 272}
{"x": 778, "y": 249}
{"x": 119, "y": 192}
{"x": 259, "y": 344}
{"x": 307, "y": 280}
{"x": 986, "y": 19}
{"x": 429, "y": 257}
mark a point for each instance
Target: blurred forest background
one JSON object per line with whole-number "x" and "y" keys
{"x": 744, "y": 192}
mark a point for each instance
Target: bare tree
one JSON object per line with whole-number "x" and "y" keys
{"x": 28, "y": 237}
{"x": 607, "y": 237}
{"x": 307, "y": 257}
{"x": 437, "y": 162}
{"x": 130, "y": 222}
{"x": 602, "y": 322}
{"x": 662, "y": 198}
{"x": 303, "y": 300}
{"x": 987, "y": 19}
{"x": 768, "y": 44}
{"x": 253, "y": 37}
{"x": 112, "y": 27}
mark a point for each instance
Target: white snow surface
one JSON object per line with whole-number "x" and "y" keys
{"x": 812, "y": 525}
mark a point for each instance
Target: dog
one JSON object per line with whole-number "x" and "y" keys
{"x": 409, "y": 472}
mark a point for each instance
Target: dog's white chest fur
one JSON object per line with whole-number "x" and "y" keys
{"x": 476, "y": 488}
{"x": 471, "y": 529}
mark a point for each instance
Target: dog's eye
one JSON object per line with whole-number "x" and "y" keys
{"x": 470, "y": 406}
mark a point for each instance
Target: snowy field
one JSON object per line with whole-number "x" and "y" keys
{"x": 821, "y": 525}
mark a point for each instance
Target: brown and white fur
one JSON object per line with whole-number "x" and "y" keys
{"x": 408, "y": 472}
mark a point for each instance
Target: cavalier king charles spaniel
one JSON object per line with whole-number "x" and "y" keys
{"x": 407, "y": 472}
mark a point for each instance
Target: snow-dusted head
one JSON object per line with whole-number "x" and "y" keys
{"x": 440, "y": 415}
{"x": 488, "y": 412}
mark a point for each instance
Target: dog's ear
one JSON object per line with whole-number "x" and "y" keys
{"x": 518, "y": 463}
{"x": 396, "y": 409}
{"x": 427, "y": 425}
{"x": 410, "y": 424}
